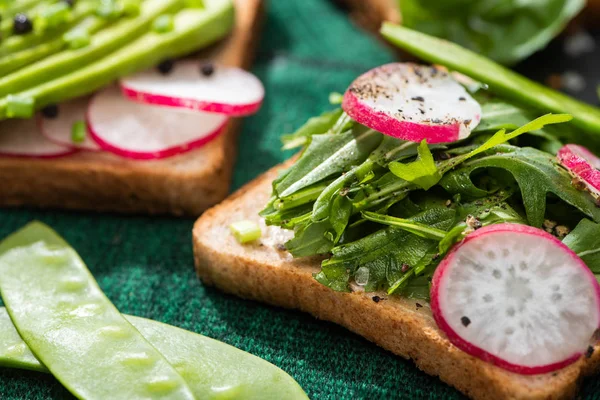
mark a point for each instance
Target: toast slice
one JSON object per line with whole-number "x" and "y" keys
{"x": 182, "y": 185}
{"x": 264, "y": 271}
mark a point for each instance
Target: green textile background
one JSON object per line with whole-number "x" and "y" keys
{"x": 145, "y": 265}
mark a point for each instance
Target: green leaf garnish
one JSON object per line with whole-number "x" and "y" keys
{"x": 423, "y": 172}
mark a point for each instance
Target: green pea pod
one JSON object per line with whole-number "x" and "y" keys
{"x": 212, "y": 369}
{"x": 71, "y": 326}
{"x": 103, "y": 43}
{"x": 193, "y": 29}
{"x": 500, "y": 79}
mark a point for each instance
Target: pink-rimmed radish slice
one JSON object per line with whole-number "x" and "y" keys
{"x": 60, "y": 129}
{"x": 144, "y": 132}
{"x": 22, "y": 138}
{"x": 227, "y": 90}
{"x": 583, "y": 165}
{"x": 412, "y": 102}
{"x": 517, "y": 297}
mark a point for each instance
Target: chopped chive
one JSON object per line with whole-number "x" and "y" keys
{"x": 163, "y": 24}
{"x": 52, "y": 16}
{"x": 108, "y": 9}
{"x": 19, "y": 107}
{"x": 130, "y": 8}
{"x": 78, "y": 132}
{"x": 245, "y": 231}
{"x": 77, "y": 38}
{"x": 194, "y": 3}
{"x": 335, "y": 98}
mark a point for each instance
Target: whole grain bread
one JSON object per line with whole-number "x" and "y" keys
{"x": 182, "y": 185}
{"x": 264, "y": 271}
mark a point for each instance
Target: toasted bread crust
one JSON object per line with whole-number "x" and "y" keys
{"x": 182, "y": 185}
{"x": 262, "y": 272}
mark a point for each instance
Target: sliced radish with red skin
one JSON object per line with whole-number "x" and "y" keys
{"x": 59, "y": 130}
{"x": 144, "y": 132}
{"x": 412, "y": 102}
{"x": 228, "y": 90}
{"x": 583, "y": 165}
{"x": 517, "y": 297}
{"x": 22, "y": 138}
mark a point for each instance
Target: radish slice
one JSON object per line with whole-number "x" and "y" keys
{"x": 59, "y": 129}
{"x": 227, "y": 90}
{"x": 141, "y": 131}
{"x": 412, "y": 102}
{"x": 583, "y": 165}
{"x": 517, "y": 297}
{"x": 22, "y": 138}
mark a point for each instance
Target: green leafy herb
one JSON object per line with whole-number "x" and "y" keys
{"x": 585, "y": 241}
{"x": 314, "y": 126}
{"x": 505, "y": 31}
{"x": 537, "y": 175}
{"x": 328, "y": 154}
{"x": 423, "y": 172}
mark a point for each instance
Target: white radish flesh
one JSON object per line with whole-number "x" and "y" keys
{"x": 583, "y": 165}
{"x": 142, "y": 131}
{"x": 516, "y": 296}
{"x": 227, "y": 90}
{"x": 22, "y": 138}
{"x": 60, "y": 129}
{"x": 412, "y": 102}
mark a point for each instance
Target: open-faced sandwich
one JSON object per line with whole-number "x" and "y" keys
{"x": 447, "y": 212}
{"x": 97, "y": 115}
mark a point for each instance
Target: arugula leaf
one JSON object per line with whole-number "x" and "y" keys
{"x": 328, "y": 154}
{"x": 585, "y": 241}
{"x": 505, "y": 31}
{"x": 311, "y": 239}
{"x": 413, "y": 227}
{"x": 537, "y": 175}
{"x": 314, "y": 126}
{"x": 500, "y": 80}
{"x": 423, "y": 172}
{"x": 385, "y": 252}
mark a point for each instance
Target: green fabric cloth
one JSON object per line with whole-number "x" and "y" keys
{"x": 145, "y": 264}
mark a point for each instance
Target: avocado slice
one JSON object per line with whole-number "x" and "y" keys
{"x": 103, "y": 43}
{"x": 193, "y": 29}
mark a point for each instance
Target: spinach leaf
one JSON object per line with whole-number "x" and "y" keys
{"x": 537, "y": 175}
{"x": 585, "y": 241}
{"x": 501, "y": 80}
{"x": 506, "y": 31}
{"x": 328, "y": 154}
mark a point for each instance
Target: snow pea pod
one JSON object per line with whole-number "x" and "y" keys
{"x": 101, "y": 45}
{"x": 212, "y": 369}
{"x": 71, "y": 326}
{"x": 500, "y": 79}
{"x": 193, "y": 29}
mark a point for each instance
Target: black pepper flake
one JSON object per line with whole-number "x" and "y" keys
{"x": 166, "y": 67}
{"x": 418, "y": 98}
{"x": 589, "y": 352}
{"x": 422, "y": 111}
{"x": 467, "y": 121}
{"x": 22, "y": 24}
{"x": 465, "y": 321}
{"x": 207, "y": 69}
{"x": 376, "y": 299}
{"x": 418, "y": 305}
{"x": 281, "y": 247}
{"x": 462, "y": 99}
{"x": 50, "y": 111}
